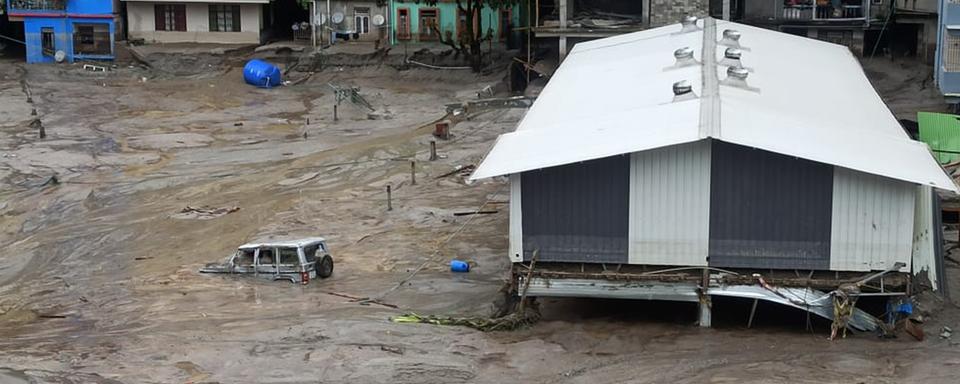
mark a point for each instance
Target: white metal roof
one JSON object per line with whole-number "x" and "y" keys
{"x": 806, "y": 98}
{"x": 202, "y": 1}
{"x": 283, "y": 243}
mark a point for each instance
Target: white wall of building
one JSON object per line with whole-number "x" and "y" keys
{"x": 140, "y": 15}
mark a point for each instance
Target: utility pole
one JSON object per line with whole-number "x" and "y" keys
{"x": 330, "y": 22}
{"x": 313, "y": 24}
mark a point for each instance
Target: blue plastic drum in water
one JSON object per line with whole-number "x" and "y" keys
{"x": 459, "y": 266}
{"x": 261, "y": 73}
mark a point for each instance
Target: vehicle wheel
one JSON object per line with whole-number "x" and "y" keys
{"x": 325, "y": 267}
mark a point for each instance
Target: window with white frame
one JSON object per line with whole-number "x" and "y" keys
{"x": 361, "y": 20}
{"x": 951, "y": 51}
{"x": 224, "y": 18}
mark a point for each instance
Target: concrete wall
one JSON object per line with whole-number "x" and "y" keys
{"x": 32, "y": 28}
{"x": 663, "y": 12}
{"x": 90, "y": 7}
{"x": 348, "y": 9}
{"x": 760, "y": 10}
{"x": 926, "y": 35}
{"x": 140, "y": 16}
{"x": 63, "y": 29}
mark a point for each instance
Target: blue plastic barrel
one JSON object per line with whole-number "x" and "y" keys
{"x": 459, "y": 266}
{"x": 261, "y": 73}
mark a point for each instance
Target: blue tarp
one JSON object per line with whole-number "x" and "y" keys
{"x": 261, "y": 73}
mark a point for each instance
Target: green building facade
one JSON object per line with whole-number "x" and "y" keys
{"x": 411, "y": 21}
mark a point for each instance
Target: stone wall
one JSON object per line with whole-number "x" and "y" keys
{"x": 663, "y": 12}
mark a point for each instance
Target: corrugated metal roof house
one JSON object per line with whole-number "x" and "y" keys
{"x": 768, "y": 162}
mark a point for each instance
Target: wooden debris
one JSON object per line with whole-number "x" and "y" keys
{"x": 475, "y": 213}
{"x": 203, "y": 213}
{"x": 361, "y": 300}
{"x": 462, "y": 170}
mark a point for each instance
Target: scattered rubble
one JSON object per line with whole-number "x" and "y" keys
{"x": 203, "y": 213}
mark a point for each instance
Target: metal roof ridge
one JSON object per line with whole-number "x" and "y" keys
{"x": 710, "y": 97}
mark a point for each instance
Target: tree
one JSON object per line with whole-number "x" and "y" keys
{"x": 469, "y": 42}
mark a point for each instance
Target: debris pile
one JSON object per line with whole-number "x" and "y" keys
{"x": 594, "y": 19}
{"x": 203, "y": 213}
{"x": 509, "y": 322}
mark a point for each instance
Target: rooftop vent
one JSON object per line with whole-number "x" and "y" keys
{"x": 731, "y": 58}
{"x": 732, "y": 53}
{"x": 682, "y": 90}
{"x": 689, "y": 24}
{"x": 684, "y": 57}
{"x": 731, "y": 38}
{"x": 737, "y": 78}
{"x": 738, "y": 73}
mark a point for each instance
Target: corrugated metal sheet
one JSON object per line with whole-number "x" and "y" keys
{"x": 941, "y": 132}
{"x": 670, "y": 205}
{"x": 516, "y": 219}
{"x": 577, "y": 212}
{"x": 938, "y": 256}
{"x": 872, "y": 222}
{"x": 768, "y": 210}
{"x": 924, "y": 262}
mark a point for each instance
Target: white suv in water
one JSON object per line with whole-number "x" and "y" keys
{"x": 296, "y": 261}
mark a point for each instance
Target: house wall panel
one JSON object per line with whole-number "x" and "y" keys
{"x": 768, "y": 210}
{"x": 577, "y": 212}
{"x": 516, "y": 219}
{"x": 872, "y": 224}
{"x": 670, "y": 205}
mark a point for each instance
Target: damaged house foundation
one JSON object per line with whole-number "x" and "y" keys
{"x": 711, "y": 158}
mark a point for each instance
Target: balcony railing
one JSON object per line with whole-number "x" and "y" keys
{"x": 38, "y": 5}
{"x": 824, "y": 11}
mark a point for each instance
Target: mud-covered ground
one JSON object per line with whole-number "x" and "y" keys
{"x": 99, "y": 282}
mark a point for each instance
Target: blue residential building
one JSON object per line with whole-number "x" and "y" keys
{"x": 81, "y": 29}
{"x": 947, "y": 65}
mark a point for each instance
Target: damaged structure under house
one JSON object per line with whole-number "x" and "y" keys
{"x": 682, "y": 163}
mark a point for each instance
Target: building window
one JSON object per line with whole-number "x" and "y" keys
{"x": 951, "y": 51}
{"x": 46, "y": 41}
{"x": 91, "y": 39}
{"x": 403, "y": 24}
{"x": 361, "y": 20}
{"x": 429, "y": 24}
{"x": 224, "y": 18}
{"x": 170, "y": 17}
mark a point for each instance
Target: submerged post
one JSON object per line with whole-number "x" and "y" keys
{"x": 389, "y": 203}
{"x": 433, "y": 150}
{"x": 334, "y": 112}
{"x": 413, "y": 172}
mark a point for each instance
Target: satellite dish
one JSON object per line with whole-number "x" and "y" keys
{"x": 296, "y": 26}
{"x": 378, "y": 20}
{"x": 321, "y": 19}
{"x": 337, "y": 18}
{"x": 60, "y": 56}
